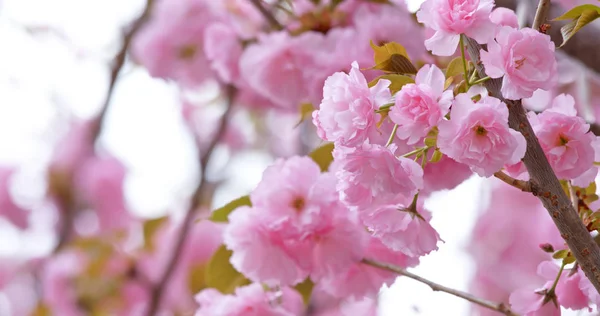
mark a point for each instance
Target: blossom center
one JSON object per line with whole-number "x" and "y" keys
{"x": 480, "y": 130}
{"x": 562, "y": 140}
{"x": 519, "y": 62}
{"x": 187, "y": 52}
{"x": 298, "y": 204}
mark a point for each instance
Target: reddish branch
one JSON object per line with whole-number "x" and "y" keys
{"x": 198, "y": 198}
{"x": 548, "y": 187}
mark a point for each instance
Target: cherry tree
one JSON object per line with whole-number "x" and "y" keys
{"x": 388, "y": 107}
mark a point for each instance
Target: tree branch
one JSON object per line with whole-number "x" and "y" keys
{"x": 522, "y": 185}
{"x": 268, "y": 15}
{"x": 583, "y": 46}
{"x": 61, "y": 186}
{"x": 498, "y": 307}
{"x": 117, "y": 65}
{"x": 548, "y": 188}
{"x": 541, "y": 15}
{"x": 196, "y": 201}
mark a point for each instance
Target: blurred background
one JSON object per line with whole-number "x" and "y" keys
{"x": 55, "y": 63}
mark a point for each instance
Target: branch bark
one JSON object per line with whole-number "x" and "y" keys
{"x": 498, "y": 307}
{"x": 583, "y": 46}
{"x": 198, "y": 198}
{"x": 542, "y": 177}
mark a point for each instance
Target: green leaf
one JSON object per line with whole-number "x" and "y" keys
{"x": 197, "y": 278}
{"x": 221, "y": 275}
{"x": 580, "y": 16}
{"x": 305, "y": 289}
{"x": 437, "y": 156}
{"x": 397, "y": 81}
{"x": 385, "y": 51}
{"x": 150, "y": 227}
{"x": 561, "y": 254}
{"x": 306, "y": 110}
{"x": 323, "y": 156}
{"x": 455, "y": 67}
{"x": 398, "y": 64}
{"x": 576, "y": 12}
{"x": 568, "y": 260}
{"x": 221, "y": 214}
{"x": 460, "y": 88}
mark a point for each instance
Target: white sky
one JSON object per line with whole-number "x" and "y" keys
{"x": 39, "y": 74}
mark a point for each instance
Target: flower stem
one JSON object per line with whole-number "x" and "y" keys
{"x": 391, "y": 139}
{"x": 482, "y": 80}
{"x": 464, "y": 60}
{"x": 416, "y": 151}
{"x": 562, "y": 267}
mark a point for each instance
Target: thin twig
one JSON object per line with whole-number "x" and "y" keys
{"x": 117, "y": 65}
{"x": 542, "y": 176}
{"x": 541, "y": 15}
{"x": 61, "y": 186}
{"x": 498, "y": 307}
{"x": 196, "y": 201}
{"x": 522, "y": 185}
{"x": 268, "y": 15}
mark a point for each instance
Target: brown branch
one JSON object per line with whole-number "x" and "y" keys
{"x": 498, "y": 307}
{"x": 548, "y": 188}
{"x": 197, "y": 199}
{"x": 268, "y": 15}
{"x": 583, "y": 46}
{"x": 541, "y": 15}
{"x": 522, "y": 185}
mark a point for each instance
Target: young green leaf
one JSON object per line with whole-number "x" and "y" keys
{"x": 221, "y": 214}
{"x": 397, "y": 81}
{"x": 305, "y": 289}
{"x": 323, "y": 156}
{"x": 221, "y": 275}
{"x": 455, "y": 67}
{"x": 580, "y": 16}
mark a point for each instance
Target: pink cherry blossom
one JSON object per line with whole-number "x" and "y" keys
{"x": 525, "y": 58}
{"x": 586, "y": 286}
{"x": 529, "y": 303}
{"x": 451, "y": 18}
{"x": 250, "y": 300}
{"x": 278, "y": 66}
{"x": 9, "y": 210}
{"x": 260, "y": 252}
{"x": 347, "y": 111}
{"x": 298, "y": 223}
{"x": 421, "y": 106}
{"x": 170, "y": 44}
{"x": 565, "y": 138}
{"x": 400, "y": 230}
{"x": 223, "y": 49}
{"x": 504, "y": 17}
{"x": 57, "y": 279}
{"x": 568, "y": 292}
{"x": 478, "y": 135}
{"x": 363, "y": 280}
{"x": 371, "y": 175}
{"x": 101, "y": 182}
{"x": 384, "y": 24}
{"x": 505, "y": 240}
{"x": 445, "y": 174}
{"x": 204, "y": 239}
